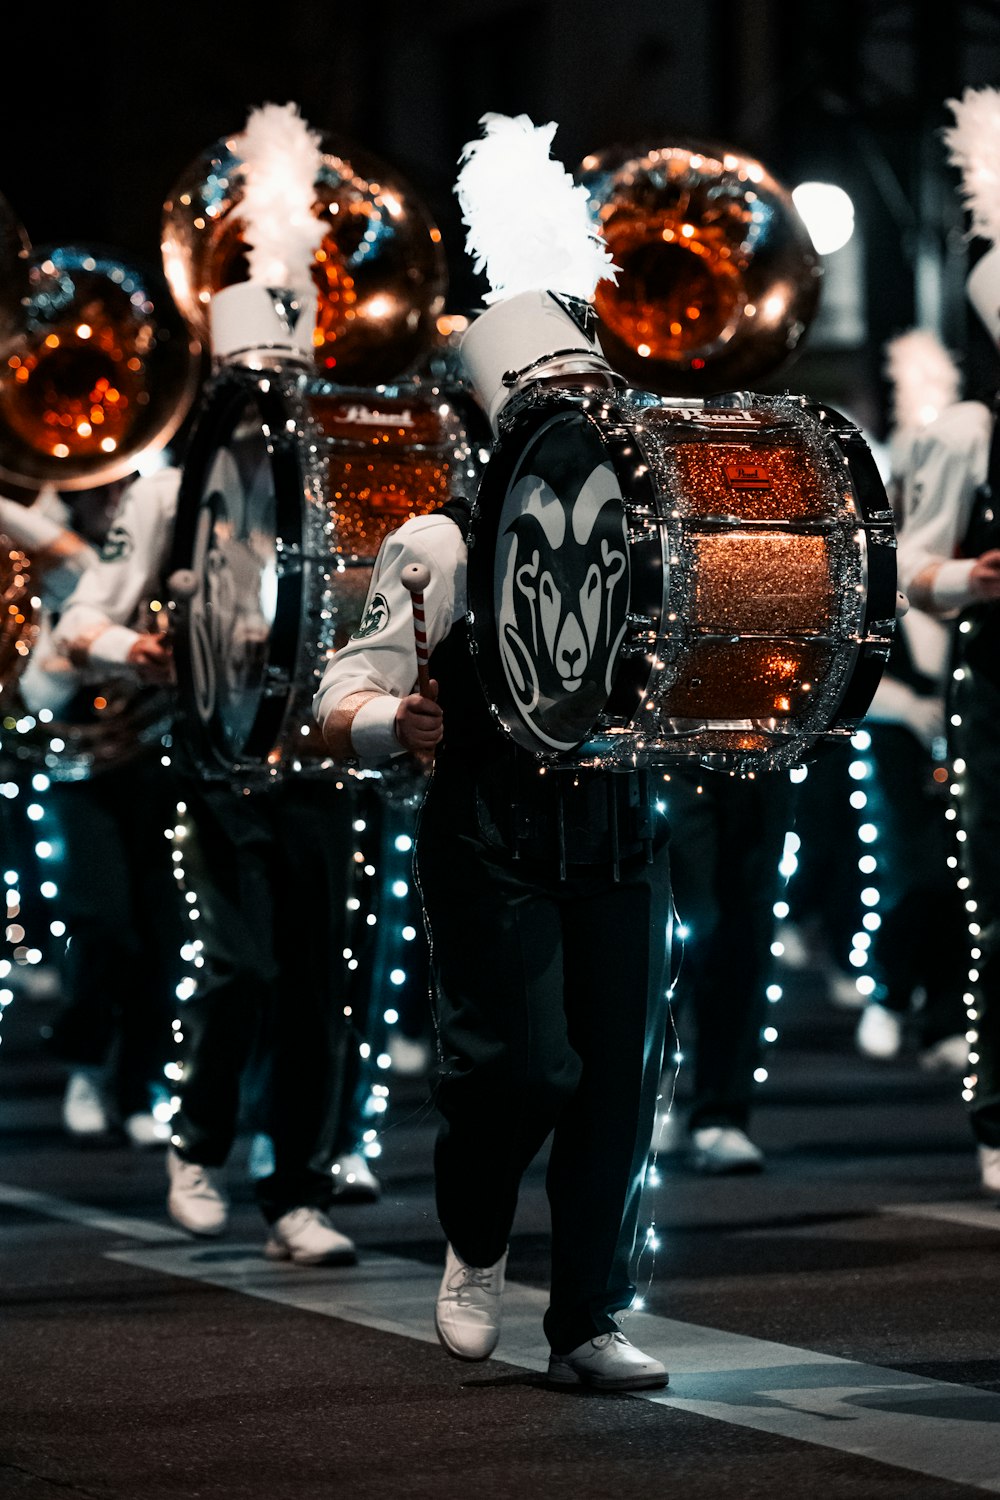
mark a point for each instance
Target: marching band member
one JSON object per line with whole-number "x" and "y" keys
{"x": 547, "y": 901}
{"x": 270, "y": 871}
{"x": 121, "y": 964}
{"x": 949, "y": 560}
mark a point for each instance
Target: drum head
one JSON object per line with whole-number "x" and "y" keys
{"x": 550, "y": 577}
{"x": 239, "y": 560}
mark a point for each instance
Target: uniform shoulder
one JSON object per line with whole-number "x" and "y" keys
{"x": 435, "y": 533}
{"x": 959, "y": 427}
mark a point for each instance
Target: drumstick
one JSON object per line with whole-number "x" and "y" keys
{"x": 415, "y": 578}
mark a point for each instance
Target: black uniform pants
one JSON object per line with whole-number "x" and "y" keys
{"x": 922, "y": 938}
{"x": 119, "y": 900}
{"x": 270, "y": 871}
{"x": 726, "y": 843}
{"x": 552, "y": 1012}
{"x": 977, "y": 741}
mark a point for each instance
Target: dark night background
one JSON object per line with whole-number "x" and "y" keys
{"x": 105, "y": 108}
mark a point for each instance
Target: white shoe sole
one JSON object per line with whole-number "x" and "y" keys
{"x": 568, "y": 1378}
{"x": 449, "y": 1348}
{"x": 709, "y": 1168}
{"x": 274, "y": 1250}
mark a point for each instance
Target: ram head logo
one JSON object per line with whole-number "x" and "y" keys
{"x": 562, "y": 583}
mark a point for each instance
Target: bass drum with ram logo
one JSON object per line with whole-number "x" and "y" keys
{"x": 656, "y": 581}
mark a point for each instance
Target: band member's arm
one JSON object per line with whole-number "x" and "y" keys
{"x": 366, "y": 701}
{"x": 58, "y": 555}
{"x": 950, "y": 462}
{"x": 97, "y": 624}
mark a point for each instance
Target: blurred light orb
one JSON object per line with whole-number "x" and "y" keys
{"x": 827, "y": 212}
{"x": 380, "y": 272}
{"x": 718, "y": 278}
{"x": 102, "y": 368}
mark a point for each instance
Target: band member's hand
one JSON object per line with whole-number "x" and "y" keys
{"x": 419, "y": 722}
{"x": 152, "y": 658}
{"x": 984, "y": 579}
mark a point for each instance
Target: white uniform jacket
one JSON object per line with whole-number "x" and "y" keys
{"x": 356, "y": 701}
{"x": 96, "y": 627}
{"x": 950, "y": 461}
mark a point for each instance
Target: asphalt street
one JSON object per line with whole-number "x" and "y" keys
{"x": 830, "y": 1325}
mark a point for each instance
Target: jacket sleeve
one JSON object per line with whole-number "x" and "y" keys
{"x": 950, "y": 461}
{"x": 358, "y": 695}
{"x": 59, "y": 556}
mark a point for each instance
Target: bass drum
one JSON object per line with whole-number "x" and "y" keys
{"x": 103, "y": 725}
{"x": 656, "y": 581}
{"x": 290, "y": 487}
{"x": 18, "y": 614}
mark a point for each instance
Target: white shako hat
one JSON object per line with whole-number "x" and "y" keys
{"x": 531, "y": 229}
{"x": 973, "y": 144}
{"x": 535, "y": 335}
{"x": 269, "y": 319}
{"x": 259, "y": 325}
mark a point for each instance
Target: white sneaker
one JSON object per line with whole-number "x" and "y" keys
{"x": 989, "y": 1168}
{"x": 145, "y": 1131}
{"x": 83, "y": 1110}
{"x": 607, "y": 1363}
{"x": 795, "y": 952}
{"x": 879, "y": 1033}
{"x": 719, "y": 1149}
{"x": 354, "y": 1181}
{"x": 842, "y": 991}
{"x": 306, "y": 1236}
{"x": 407, "y": 1058}
{"x": 196, "y": 1200}
{"x": 467, "y": 1316}
{"x": 949, "y": 1055}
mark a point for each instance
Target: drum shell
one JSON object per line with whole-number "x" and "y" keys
{"x": 761, "y": 601}
{"x": 325, "y": 473}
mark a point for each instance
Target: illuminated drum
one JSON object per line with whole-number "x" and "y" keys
{"x": 18, "y": 614}
{"x": 103, "y": 724}
{"x": 290, "y": 487}
{"x": 654, "y": 581}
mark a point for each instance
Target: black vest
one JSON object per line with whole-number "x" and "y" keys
{"x": 558, "y": 814}
{"x": 978, "y": 643}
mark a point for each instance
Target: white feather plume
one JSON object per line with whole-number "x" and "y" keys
{"x": 281, "y": 160}
{"x": 974, "y": 147}
{"x": 924, "y": 378}
{"x": 530, "y": 226}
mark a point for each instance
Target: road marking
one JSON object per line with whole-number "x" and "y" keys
{"x": 976, "y": 1215}
{"x": 93, "y": 1218}
{"x": 930, "y": 1427}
